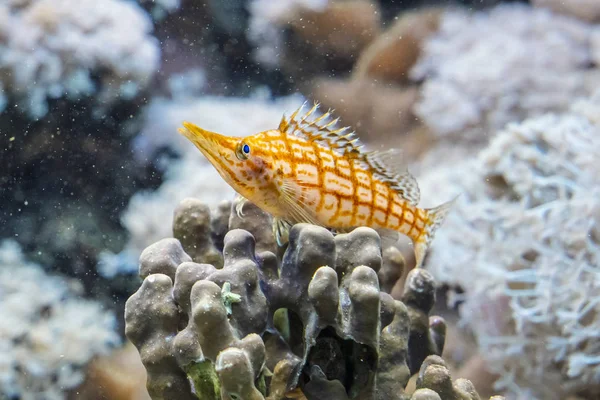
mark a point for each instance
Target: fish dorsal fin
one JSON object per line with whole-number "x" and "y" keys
{"x": 321, "y": 129}
{"x": 388, "y": 166}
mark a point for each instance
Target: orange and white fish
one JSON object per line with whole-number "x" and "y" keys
{"x": 306, "y": 170}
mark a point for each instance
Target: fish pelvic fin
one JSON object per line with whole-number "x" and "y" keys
{"x": 281, "y": 230}
{"x": 436, "y": 217}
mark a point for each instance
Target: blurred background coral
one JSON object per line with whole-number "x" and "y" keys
{"x": 498, "y": 101}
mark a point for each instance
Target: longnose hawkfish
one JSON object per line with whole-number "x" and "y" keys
{"x": 307, "y": 170}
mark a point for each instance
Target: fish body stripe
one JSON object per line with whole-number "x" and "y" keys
{"x": 359, "y": 197}
{"x": 327, "y": 177}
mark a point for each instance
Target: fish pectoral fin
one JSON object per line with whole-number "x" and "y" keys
{"x": 239, "y": 203}
{"x": 281, "y": 230}
{"x": 295, "y": 206}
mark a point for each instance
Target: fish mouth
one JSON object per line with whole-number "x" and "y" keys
{"x": 213, "y": 145}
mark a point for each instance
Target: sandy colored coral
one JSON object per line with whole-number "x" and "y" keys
{"x": 392, "y": 54}
{"x": 377, "y": 98}
{"x": 117, "y": 376}
{"x": 343, "y": 28}
{"x": 329, "y": 32}
{"x": 378, "y": 112}
{"x": 266, "y": 20}
{"x": 586, "y": 10}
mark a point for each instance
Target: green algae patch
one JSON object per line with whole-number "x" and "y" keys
{"x": 205, "y": 380}
{"x": 261, "y": 382}
{"x": 282, "y": 323}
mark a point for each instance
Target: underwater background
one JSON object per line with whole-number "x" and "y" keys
{"x": 103, "y": 204}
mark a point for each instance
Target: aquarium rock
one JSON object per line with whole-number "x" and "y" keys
{"x": 311, "y": 319}
{"x": 48, "y": 334}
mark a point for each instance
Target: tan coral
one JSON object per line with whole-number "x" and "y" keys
{"x": 119, "y": 376}
{"x": 477, "y": 371}
{"x": 585, "y": 10}
{"x": 376, "y": 100}
{"x": 391, "y": 56}
{"x": 372, "y": 108}
{"x": 330, "y": 38}
{"x": 344, "y": 27}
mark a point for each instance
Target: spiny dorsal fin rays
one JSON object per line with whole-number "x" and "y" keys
{"x": 386, "y": 165}
{"x": 320, "y": 130}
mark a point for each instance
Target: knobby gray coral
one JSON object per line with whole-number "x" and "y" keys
{"x": 310, "y": 317}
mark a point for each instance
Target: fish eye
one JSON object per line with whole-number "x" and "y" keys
{"x": 242, "y": 151}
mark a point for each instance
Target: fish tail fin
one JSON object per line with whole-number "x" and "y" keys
{"x": 436, "y": 217}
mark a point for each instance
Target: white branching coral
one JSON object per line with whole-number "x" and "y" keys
{"x": 267, "y": 20}
{"x": 488, "y": 68}
{"x": 47, "y": 333}
{"x": 74, "y": 48}
{"x": 161, "y": 8}
{"x": 524, "y": 243}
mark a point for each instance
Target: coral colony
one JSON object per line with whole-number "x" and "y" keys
{"x": 126, "y": 272}
{"x": 262, "y": 327}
